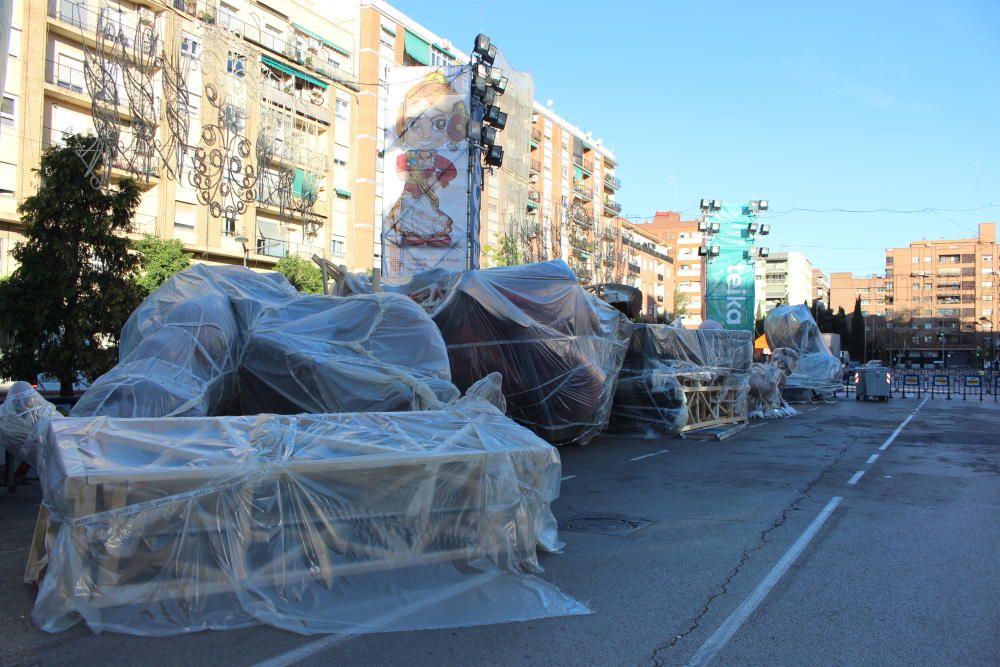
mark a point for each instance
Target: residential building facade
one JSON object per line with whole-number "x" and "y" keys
{"x": 683, "y": 237}
{"x": 294, "y": 66}
{"x": 821, "y": 288}
{"x": 788, "y": 279}
{"x": 846, "y": 288}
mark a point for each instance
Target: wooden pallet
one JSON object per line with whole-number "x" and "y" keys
{"x": 713, "y": 404}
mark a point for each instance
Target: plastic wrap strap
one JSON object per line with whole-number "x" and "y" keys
{"x": 526, "y": 341}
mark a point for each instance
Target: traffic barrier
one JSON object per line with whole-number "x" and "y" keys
{"x": 912, "y": 381}
{"x": 972, "y": 382}
{"x": 941, "y": 384}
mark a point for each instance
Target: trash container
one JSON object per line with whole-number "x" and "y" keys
{"x": 872, "y": 382}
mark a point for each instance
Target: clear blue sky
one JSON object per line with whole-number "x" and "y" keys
{"x": 856, "y": 105}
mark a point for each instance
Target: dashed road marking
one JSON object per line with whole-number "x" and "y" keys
{"x": 646, "y": 456}
{"x": 855, "y": 477}
{"x": 731, "y": 625}
{"x": 871, "y": 459}
{"x": 568, "y": 477}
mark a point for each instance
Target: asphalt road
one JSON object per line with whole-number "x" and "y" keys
{"x": 902, "y": 570}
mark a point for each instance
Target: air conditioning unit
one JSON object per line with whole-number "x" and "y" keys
{"x": 146, "y": 15}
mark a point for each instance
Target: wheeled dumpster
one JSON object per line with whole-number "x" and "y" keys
{"x": 872, "y": 382}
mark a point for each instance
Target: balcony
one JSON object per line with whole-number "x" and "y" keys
{"x": 610, "y": 234}
{"x": 611, "y": 206}
{"x": 536, "y": 137}
{"x": 115, "y": 26}
{"x": 535, "y": 166}
{"x": 612, "y": 182}
{"x": 534, "y": 197}
{"x": 309, "y": 101}
{"x": 272, "y": 247}
{"x": 583, "y": 193}
{"x": 585, "y": 163}
{"x": 633, "y": 267}
{"x": 582, "y": 219}
{"x": 144, "y": 224}
{"x": 582, "y": 273}
{"x": 73, "y": 80}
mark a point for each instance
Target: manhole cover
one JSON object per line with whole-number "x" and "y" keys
{"x": 605, "y": 524}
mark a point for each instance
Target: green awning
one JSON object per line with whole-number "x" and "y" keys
{"x": 330, "y": 44}
{"x": 346, "y": 194}
{"x": 389, "y": 29}
{"x": 577, "y": 172}
{"x": 444, "y": 51}
{"x": 417, "y": 48}
{"x": 281, "y": 67}
{"x": 304, "y": 185}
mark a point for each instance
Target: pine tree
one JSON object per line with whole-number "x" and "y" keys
{"x": 858, "y": 352}
{"x": 840, "y": 328}
{"x": 64, "y": 306}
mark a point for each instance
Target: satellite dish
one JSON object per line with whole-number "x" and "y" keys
{"x": 549, "y": 103}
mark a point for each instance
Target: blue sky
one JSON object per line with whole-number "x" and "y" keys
{"x": 850, "y": 105}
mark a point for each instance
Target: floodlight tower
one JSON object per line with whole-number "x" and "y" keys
{"x": 485, "y": 121}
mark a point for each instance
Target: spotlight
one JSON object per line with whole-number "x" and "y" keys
{"x": 763, "y": 252}
{"x": 494, "y": 75}
{"x": 714, "y": 227}
{"x": 752, "y": 228}
{"x": 705, "y": 204}
{"x": 489, "y": 136}
{"x": 490, "y": 56}
{"x": 702, "y": 251}
{"x": 479, "y": 87}
{"x": 475, "y": 132}
{"x": 495, "y": 117}
{"x": 762, "y": 205}
{"x": 765, "y": 230}
{"x": 494, "y": 156}
{"x": 716, "y": 204}
{"x": 489, "y": 97}
{"x": 714, "y": 251}
{"x": 482, "y": 45}
{"x": 501, "y": 85}
{"x": 702, "y": 226}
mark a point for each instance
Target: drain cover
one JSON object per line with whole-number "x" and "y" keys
{"x": 605, "y": 524}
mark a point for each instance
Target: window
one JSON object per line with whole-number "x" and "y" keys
{"x": 916, "y": 260}
{"x": 987, "y": 284}
{"x": 987, "y": 297}
{"x": 927, "y": 260}
{"x": 190, "y": 46}
{"x": 439, "y": 59}
{"x": 341, "y": 109}
{"x": 986, "y": 258}
{"x": 337, "y": 247}
{"x": 987, "y": 311}
{"x": 14, "y": 47}
{"x": 69, "y": 73}
{"x": 8, "y": 179}
{"x": 8, "y": 111}
{"x": 340, "y": 155}
{"x": 237, "y": 64}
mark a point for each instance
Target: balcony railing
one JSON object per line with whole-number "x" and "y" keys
{"x": 144, "y": 223}
{"x": 613, "y": 182}
{"x": 74, "y": 80}
{"x": 272, "y": 247}
{"x": 613, "y": 206}
{"x": 583, "y": 192}
{"x": 585, "y": 163}
{"x": 117, "y": 25}
{"x": 633, "y": 267}
{"x": 535, "y": 166}
{"x": 536, "y": 136}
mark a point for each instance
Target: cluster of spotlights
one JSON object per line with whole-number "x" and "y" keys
{"x": 710, "y": 228}
{"x": 488, "y": 84}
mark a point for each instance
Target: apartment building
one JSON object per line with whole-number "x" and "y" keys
{"x": 846, "y": 288}
{"x": 655, "y": 275}
{"x": 821, "y": 288}
{"x": 788, "y": 279}
{"x": 295, "y": 73}
{"x": 946, "y": 292}
{"x": 689, "y": 274}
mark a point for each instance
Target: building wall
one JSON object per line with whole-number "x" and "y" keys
{"x": 821, "y": 287}
{"x": 51, "y": 97}
{"x": 684, "y": 239}
{"x": 846, "y": 287}
{"x": 788, "y": 279}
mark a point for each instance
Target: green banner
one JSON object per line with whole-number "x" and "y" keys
{"x": 729, "y": 292}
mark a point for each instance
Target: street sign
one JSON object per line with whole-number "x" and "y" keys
{"x": 941, "y": 381}
{"x": 972, "y": 381}
{"x": 911, "y": 380}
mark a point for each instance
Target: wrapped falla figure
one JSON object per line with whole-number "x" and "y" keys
{"x": 433, "y": 118}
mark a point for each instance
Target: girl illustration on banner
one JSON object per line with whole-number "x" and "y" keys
{"x": 433, "y": 116}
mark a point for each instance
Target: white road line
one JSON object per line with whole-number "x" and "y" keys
{"x": 855, "y": 477}
{"x": 756, "y": 425}
{"x": 871, "y": 459}
{"x": 568, "y": 477}
{"x": 885, "y": 445}
{"x": 646, "y": 456}
{"x": 731, "y": 625}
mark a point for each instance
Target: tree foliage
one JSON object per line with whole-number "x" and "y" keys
{"x": 160, "y": 259}
{"x": 857, "y": 332}
{"x": 506, "y": 252}
{"x": 304, "y": 275}
{"x": 75, "y": 286}
{"x": 840, "y": 328}
{"x": 681, "y": 302}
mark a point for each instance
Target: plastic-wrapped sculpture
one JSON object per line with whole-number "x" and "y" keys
{"x": 188, "y": 347}
{"x": 377, "y": 352}
{"x": 558, "y": 349}
{"x": 675, "y": 378}
{"x": 20, "y": 412}
{"x": 818, "y": 372}
{"x": 767, "y": 382}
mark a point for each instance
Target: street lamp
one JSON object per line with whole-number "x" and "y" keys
{"x": 243, "y": 240}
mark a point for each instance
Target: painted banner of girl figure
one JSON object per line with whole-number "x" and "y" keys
{"x": 425, "y": 182}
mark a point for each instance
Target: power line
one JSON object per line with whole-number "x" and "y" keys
{"x": 915, "y": 211}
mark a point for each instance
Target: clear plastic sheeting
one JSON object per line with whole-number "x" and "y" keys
{"x": 676, "y": 379}
{"x": 186, "y": 350}
{"x": 348, "y": 523}
{"x": 767, "y": 382}
{"x": 558, "y": 348}
{"x": 817, "y": 375}
{"x": 20, "y": 413}
{"x": 371, "y": 353}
